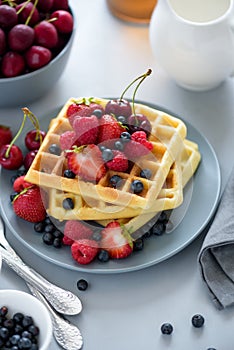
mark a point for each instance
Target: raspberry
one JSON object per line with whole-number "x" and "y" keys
{"x": 75, "y": 230}
{"x": 84, "y": 250}
{"x": 119, "y": 162}
{"x": 138, "y": 146}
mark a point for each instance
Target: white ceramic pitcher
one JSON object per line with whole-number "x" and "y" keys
{"x": 193, "y": 40}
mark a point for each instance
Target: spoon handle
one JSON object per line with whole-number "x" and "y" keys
{"x": 62, "y": 300}
{"x": 66, "y": 334}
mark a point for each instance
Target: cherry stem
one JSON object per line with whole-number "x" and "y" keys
{"x": 22, "y": 7}
{"x": 143, "y": 76}
{"x": 135, "y": 91}
{"x": 16, "y": 136}
{"x": 31, "y": 12}
{"x": 35, "y": 123}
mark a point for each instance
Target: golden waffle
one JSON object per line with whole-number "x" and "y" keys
{"x": 167, "y": 137}
{"x": 170, "y": 196}
{"x": 190, "y": 159}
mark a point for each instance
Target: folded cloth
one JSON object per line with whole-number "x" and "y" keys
{"x": 216, "y": 258}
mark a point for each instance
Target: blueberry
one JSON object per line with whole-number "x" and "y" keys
{"x": 119, "y": 145}
{"x": 9, "y": 324}
{"x": 158, "y": 229}
{"x": 57, "y": 243}
{"x": 98, "y": 113}
{"x": 24, "y": 343}
{"x": 34, "y": 330}
{"x": 166, "y": 328}
{"x": 49, "y": 228}
{"x": 68, "y": 204}
{"x": 55, "y": 149}
{"x": 69, "y": 174}
{"x": 115, "y": 181}
{"x": 103, "y": 255}
{"x": 39, "y": 227}
{"x": 125, "y": 136}
{"x": 137, "y": 186}
{"x": 58, "y": 234}
{"x": 4, "y": 333}
{"x": 121, "y": 119}
{"x": 27, "y": 321}
{"x": 18, "y": 317}
{"x": 107, "y": 154}
{"x": 198, "y": 320}
{"x": 101, "y": 147}
{"x": 146, "y": 173}
{"x": 163, "y": 217}
{"x": 82, "y": 284}
{"x": 14, "y": 339}
{"x": 138, "y": 244}
{"x": 48, "y": 238}
{"x": 26, "y": 334}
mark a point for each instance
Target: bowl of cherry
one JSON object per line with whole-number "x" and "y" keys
{"x": 25, "y": 321}
{"x": 36, "y": 38}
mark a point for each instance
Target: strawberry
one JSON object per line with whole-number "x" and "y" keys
{"x": 5, "y": 135}
{"x": 84, "y": 250}
{"x": 86, "y": 129}
{"x": 119, "y": 162}
{"x": 109, "y": 128}
{"x": 83, "y": 107}
{"x": 75, "y": 230}
{"x": 138, "y": 146}
{"x": 67, "y": 139}
{"x": 20, "y": 184}
{"x": 86, "y": 162}
{"x": 29, "y": 206}
{"x": 116, "y": 240}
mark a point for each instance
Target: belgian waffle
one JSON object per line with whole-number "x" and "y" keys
{"x": 167, "y": 136}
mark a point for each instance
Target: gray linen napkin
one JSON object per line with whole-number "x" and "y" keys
{"x": 216, "y": 257}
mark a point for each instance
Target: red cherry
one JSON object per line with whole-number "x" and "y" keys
{"x": 13, "y": 64}
{"x": 13, "y": 160}
{"x": 63, "y": 21}
{"x": 37, "y": 56}
{"x": 119, "y": 107}
{"x": 60, "y": 5}
{"x": 20, "y": 37}
{"x": 8, "y": 16}
{"x": 32, "y": 139}
{"x": 28, "y": 159}
{"x": 44, "y": 5}
{"x": 46, "y": 34}
{"x": 139, "y": 122}
{"x": 2, "y": 41}
{"x": 28, "y": 10}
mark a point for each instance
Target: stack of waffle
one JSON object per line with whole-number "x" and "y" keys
{"x": 172, "y": 162}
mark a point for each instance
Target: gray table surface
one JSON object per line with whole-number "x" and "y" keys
{"x": 125, "y": 311}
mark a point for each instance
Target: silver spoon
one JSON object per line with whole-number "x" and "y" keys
{"x": 66, "y": 334}
{"x": 62, "y": 300}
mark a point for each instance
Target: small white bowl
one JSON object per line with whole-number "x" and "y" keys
{"x": 18, "y": 301}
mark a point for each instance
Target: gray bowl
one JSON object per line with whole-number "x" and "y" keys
{"x": 20, "y": 90}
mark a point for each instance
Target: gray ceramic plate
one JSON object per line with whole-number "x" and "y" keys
{"x": 201, "y": 197}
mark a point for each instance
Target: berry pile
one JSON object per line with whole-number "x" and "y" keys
{"x": 18, "y": 331}
{"x": 32, "y": 33}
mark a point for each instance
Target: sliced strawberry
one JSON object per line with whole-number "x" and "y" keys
{"x": 84, "y": 250}
{"x": 86, "y": 162}
{"x": 138, "y": 146}
{"x": 86, "y": 129}
{"x": 5, "y": 135}
{"x": 29, "y": 204}
{"x": 109, "y": 128}
{"x": 116, "y": 240}
{"x": 119, "y": 162}
{"x": 67, "y": 139}
{"x": 75, "y": 230}
{"x": 20, "y": 184}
